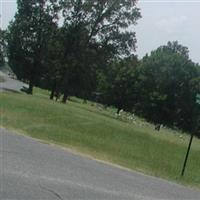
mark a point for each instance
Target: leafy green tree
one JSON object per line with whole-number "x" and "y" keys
{"x": 28, "y": 36}
{"x": 90, "y": 27}
{"x": 106, "y": 20}
{"x": 78, "y": 62}
{"x": 167, "y": 94}
{"x": 117, "y": 84}
{"x": 54, "y": 63}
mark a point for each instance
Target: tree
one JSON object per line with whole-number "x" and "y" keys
{"x": 117, "y": 84}
{"x": 54, "y": 63}
{"x": 78, "y": 62}
{"x": 90, "y": 26}
{"x": 165, "y": 86}
{"x": 27, "y": 38}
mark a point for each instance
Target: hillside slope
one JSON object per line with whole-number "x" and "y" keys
{"x": 92, "y": 130}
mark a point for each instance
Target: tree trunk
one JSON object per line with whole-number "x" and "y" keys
{"x": 57, "y": 95}
{"x": 118, "y": 110}
{"x": 30, "y": 89}
{"x": 157, "y": 127}
{"x": 52, "y": 94}
{"x": 65, "y": 97}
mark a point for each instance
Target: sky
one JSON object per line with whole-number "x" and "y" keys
{"x": 162, "y": 21}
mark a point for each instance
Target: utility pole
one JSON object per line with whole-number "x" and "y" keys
{"x": 191, "y": 138}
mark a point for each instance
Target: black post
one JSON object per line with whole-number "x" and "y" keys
{"x": 187, "y": 154}
{"x": 194, "y": 129}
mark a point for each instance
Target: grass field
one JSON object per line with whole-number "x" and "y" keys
{"x": 95, "y": 131}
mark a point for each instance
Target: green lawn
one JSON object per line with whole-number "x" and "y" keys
{"x": 90, "y": 130}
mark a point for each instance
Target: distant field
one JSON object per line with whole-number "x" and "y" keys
{"x": 95, "y": 131}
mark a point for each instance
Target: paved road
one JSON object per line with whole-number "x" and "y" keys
{"x": 31, "y": 170}
{"x": 10, "y": 84}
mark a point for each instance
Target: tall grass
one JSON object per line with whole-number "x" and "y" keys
{"x": 98, "y": 132}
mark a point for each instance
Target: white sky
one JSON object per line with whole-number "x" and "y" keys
{"x": 162, "y": 21}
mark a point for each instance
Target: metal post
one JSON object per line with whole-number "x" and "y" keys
{"x": 195, "y": 122}
{"x": 187, "y": 154}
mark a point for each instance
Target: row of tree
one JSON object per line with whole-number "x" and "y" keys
{"x": 66, "y": 57}
{"x": 162, "y": 87}
{"x": 90, "y": 54}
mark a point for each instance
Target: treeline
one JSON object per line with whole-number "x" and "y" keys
{"x": 90, "y": 55}
{"x": 161, "y": 87}
{"x": 67, "y": 57}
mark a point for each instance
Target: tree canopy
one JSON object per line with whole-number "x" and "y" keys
{"x": 90, "y": 29}
{"x": 95, "y": 32}
{"x": 166, "y": 86}
{"x": 117, "y": 83}
{"x": 27, "y": 38}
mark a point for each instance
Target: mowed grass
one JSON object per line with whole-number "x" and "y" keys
{"x": 98, "y": 133}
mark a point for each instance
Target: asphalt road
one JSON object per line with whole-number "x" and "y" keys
{"x": 31, "y": 170}
{"x": 10, "y": 84}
